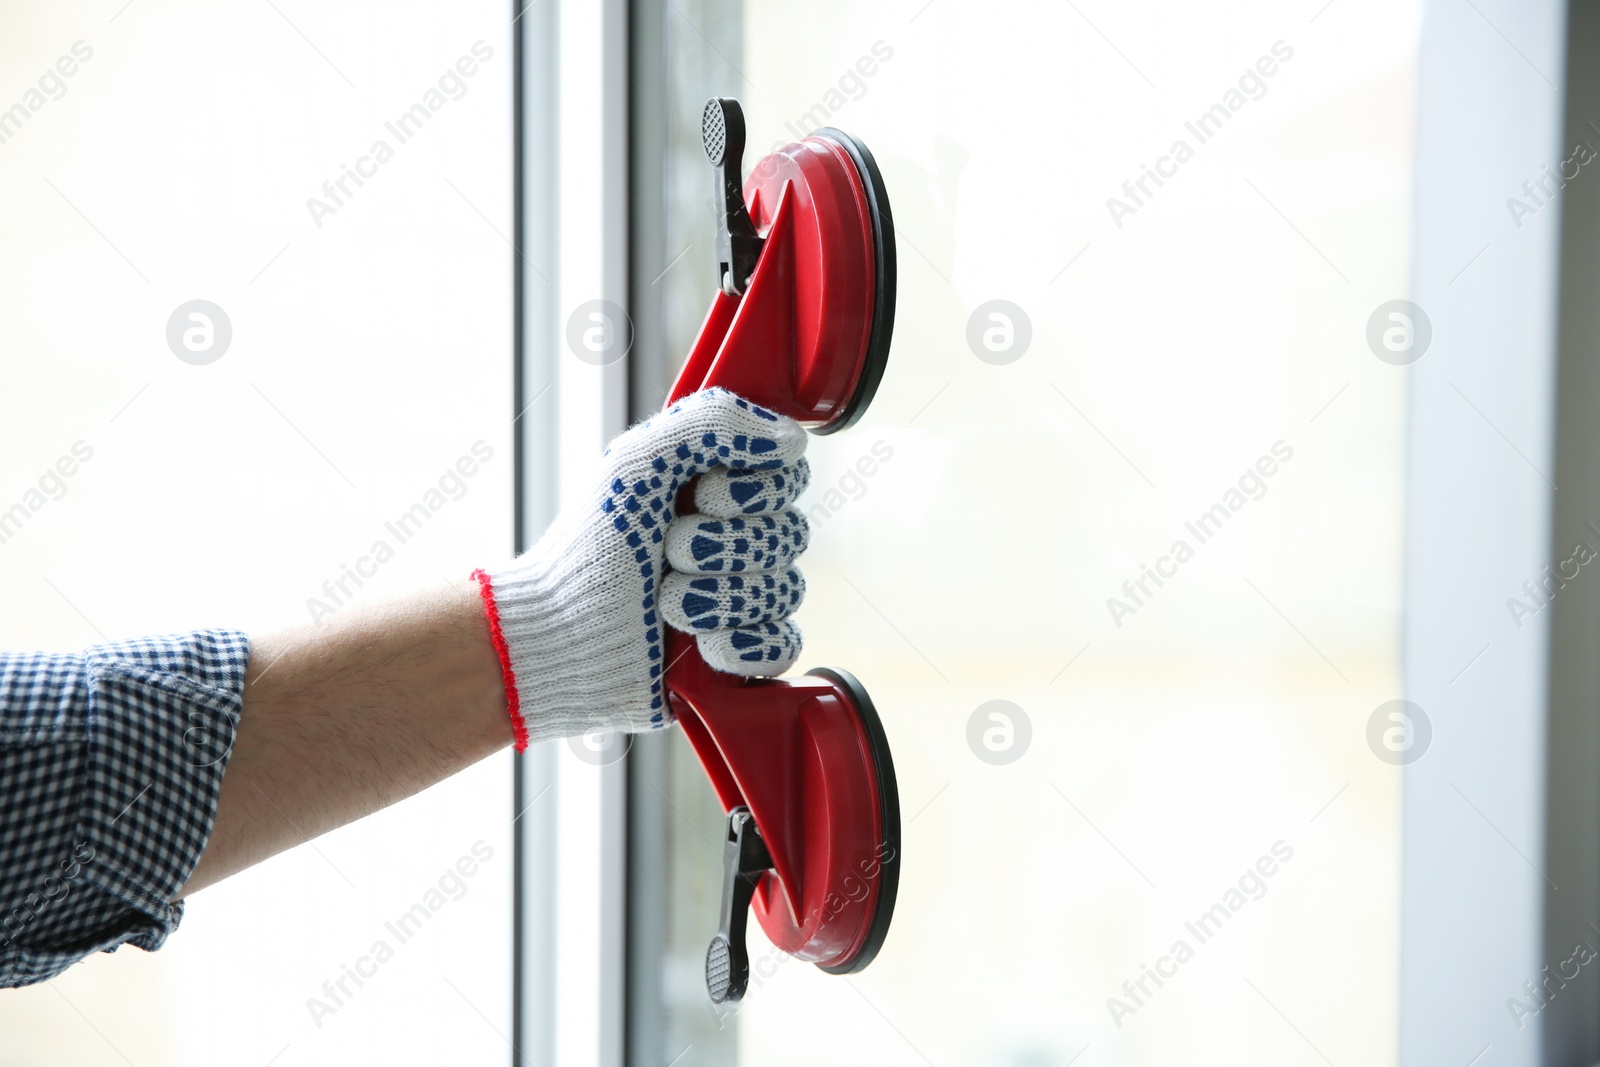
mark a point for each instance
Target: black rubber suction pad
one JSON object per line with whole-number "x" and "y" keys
{"x": 885, "y": 279}
{"x": 889, "y": 809}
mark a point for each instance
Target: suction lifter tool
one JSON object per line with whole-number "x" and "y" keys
{"x": 800, "y": 323}
{"x": 738, "y": 245}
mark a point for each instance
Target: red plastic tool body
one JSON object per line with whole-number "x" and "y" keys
{"x": 794, "y": 751}
{"x": 796, "y": 341}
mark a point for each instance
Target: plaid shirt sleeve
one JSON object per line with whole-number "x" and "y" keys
{"x": 110, "y": 764}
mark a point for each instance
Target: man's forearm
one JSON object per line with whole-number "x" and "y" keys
{"x": 342, "y": 719}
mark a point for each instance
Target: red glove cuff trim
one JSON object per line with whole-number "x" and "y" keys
{"x": 519, "y": 727}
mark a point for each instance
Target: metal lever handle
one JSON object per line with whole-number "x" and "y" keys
{"x": 738, "y": 246}
{"x": 744, "y": 861}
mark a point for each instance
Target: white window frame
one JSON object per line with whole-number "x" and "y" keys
{"x": 1504, "y": 806}
{"x": 571, "y": 247}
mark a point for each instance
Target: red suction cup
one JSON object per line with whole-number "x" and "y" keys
{"x": 803, "y": 318}
{"x": 800, "y": 325}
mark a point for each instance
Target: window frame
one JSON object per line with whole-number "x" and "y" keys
{"x": 570, "y": 242}
{"x": 1504, "y": 806}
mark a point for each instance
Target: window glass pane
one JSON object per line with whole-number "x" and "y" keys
{"x": 370, "y": 351}
{"x": 1135, "y": 472}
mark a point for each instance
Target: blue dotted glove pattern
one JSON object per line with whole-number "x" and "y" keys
{"x": 698, "y": 545}
{"x": 695, "y": 603}
{"x": 765, "y": 649}
{"x": 662, "y": 454}
{"x": 751, "y": 492}
{"x": 732, "y": 580}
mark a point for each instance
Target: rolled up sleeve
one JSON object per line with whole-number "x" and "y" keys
{"x": 111, "y": 761}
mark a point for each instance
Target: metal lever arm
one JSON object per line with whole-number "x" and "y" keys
{"x": 738, "y": 245}
{"x": 744, "y": 861}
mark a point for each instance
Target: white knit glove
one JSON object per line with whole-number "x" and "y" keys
{"x": 576, "y": 619}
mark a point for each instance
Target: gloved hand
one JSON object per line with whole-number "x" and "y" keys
{"x": 577, "y": 618}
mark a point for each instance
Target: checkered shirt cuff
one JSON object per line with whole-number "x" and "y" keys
{"x": 111, "y": 761}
